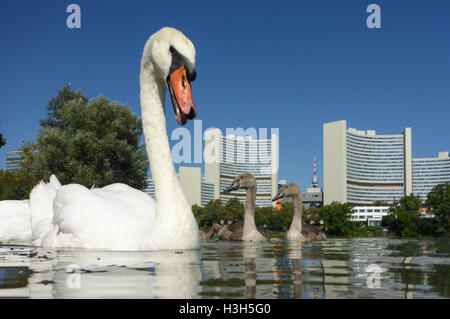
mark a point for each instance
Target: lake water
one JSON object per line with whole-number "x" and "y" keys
{"x": 337, "y": 268}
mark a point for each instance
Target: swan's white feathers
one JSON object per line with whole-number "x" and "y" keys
{"x": 157, "y": 47}
{"x": 15, "y": 222}
{"x": 116, "y": 217}
{"x": 41, "y": 207}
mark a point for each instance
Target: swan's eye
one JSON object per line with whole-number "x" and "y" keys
{"x": 172, "y": 49}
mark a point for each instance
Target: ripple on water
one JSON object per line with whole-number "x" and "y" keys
{"x": 337, "y": 268}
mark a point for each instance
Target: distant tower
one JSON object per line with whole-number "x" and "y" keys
{"x": 315, "y": 179}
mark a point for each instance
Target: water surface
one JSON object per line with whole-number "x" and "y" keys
{"x": 337, "y": 268}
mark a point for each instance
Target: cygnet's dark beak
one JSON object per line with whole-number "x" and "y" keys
{"x": 234, "y": 186}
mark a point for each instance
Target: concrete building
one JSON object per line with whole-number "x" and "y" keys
{"x": 372, "y": 215}
{"x": 228, "y": 156}
{"x": 361, "y": 167}
{"x": 428, "y": 172}
{"x": 12, "y": 159}
{"x": 150, "y": 189}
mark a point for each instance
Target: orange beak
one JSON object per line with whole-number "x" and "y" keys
{"x": 181, "y": 95}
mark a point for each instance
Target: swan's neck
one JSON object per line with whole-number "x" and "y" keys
{"x": 298, "y": 211}
{"x": 169, "y": 195}
{"x": 249, "y": 216}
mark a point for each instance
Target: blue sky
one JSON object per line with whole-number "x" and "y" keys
{"x": 292, "y": 65}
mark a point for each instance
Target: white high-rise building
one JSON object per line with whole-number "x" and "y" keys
{"x": 12, "y": 159}
{"x": 228, "y": 156}
{"x": 361, "y": 167}
{"x": 428, "y": 172}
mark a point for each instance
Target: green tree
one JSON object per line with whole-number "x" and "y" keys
{"x": 336, "y": 219}
{"x": 311, "y": 215}
{"x": 263, "y": 215}
{"x": 14, "y": 184}
{"x": 2, "y": 140}
{"x": 439, "y": 201}
{"x": 54, "y": 107}
{"x": 234, "y": 209}
{"x": 404, "y": 218}
{"x": 380, "y": 203}
{"x": 215, "y": 207}
{"x": 95, "y": 143}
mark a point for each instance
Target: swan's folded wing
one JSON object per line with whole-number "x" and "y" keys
{"x": 15, "y": 222}
{"x": 116, "y": 217}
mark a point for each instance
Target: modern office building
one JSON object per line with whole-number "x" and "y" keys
{"x": 428, "y": 172}
{"x": 228, "y": 156}
{"x": 207, "y": 192}
{"x": 361, "y": 167}
{"x": 196, "y": 190}
{"x": 12, "y": 159}
{"x": 150, "y": 189}
{"x": 371, "y": 215}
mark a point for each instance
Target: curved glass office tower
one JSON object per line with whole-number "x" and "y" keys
{"x": 361, "y": 167}
{"x": 428, "y": 172}
{"x": 228, "y": 156}
{"x": 375, "y": 166}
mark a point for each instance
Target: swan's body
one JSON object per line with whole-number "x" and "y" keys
{"x": 298, "y": 231}
{"x": 15, "y": 222}
{"x": 244, "y": 230}
{"x": 118, "y": 217}
{"x": 22, "y": 221}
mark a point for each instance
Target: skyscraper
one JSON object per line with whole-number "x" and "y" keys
{"x": 12, "y": 159}
{"x": 228, "y": 156}
{"x": 361, "y": 167}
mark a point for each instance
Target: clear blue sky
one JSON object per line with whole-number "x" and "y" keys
{"x": 291, "y": 65}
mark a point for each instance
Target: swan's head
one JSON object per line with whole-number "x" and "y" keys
{"x": 288, "y": 190}
{"x": 172, "y": 56}
{"x": 243, "y": 181}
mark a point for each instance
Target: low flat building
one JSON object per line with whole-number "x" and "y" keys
{"x": 371, "y": 215}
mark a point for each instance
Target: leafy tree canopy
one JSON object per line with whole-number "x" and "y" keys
{"x": 89, "y": 143}
{"x": 2, "y": 140}
{"x": 439, "y": 201}
{"x": 336, "y": 219}
{"x": 404, "y": 219}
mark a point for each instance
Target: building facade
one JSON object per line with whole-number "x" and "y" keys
{"x": 428, "y": 172}
{"x": 371, "y": 215}
{"x": 228, "y": 156}
{"x": 361, "y": 167}
{"x": 12, "y": 159}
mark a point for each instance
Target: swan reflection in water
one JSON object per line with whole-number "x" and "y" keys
{"x": 224, "y": 269}
{"x": 105, "y": 274}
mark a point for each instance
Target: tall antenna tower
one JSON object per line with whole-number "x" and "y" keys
{"x": 315, "y": 179}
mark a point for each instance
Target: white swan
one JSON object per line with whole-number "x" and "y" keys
{"x": 17, "y": 223}
{"x": 118, "y": 217}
